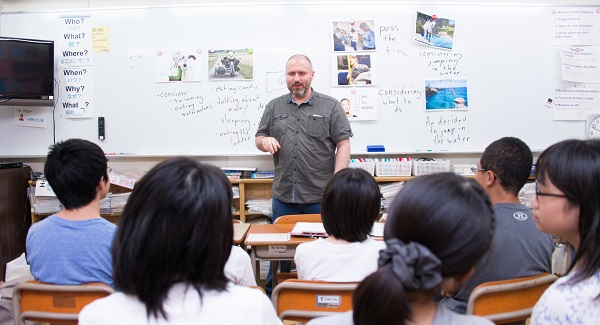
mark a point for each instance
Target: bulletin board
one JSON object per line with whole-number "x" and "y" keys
{"x": 504, "y": 52}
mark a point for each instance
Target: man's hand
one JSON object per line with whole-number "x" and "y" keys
{"x": 267, "y": 144}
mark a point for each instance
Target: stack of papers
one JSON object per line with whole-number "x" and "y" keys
{"x": 44, "y": 201}
{"x": 105, "y": 205}
{"x": 309, "y": 229}
{"x": 526, "y": 194}
{"x": 388, "y": 192}
{"x": 260, "y": 207}
{"x": 118, "y": 201}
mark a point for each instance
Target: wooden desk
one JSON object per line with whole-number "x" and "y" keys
{"x": 239, "y": 232}
{"x": 272, "y": 250}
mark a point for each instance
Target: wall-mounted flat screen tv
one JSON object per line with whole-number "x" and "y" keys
{"x": 26, "y": 72}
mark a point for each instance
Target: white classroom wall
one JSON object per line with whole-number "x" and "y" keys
{"x": 261, "y": 161}
{"x": 38, "y": 5}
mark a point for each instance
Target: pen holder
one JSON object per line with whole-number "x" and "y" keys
{"x": 426, "y": 167}
{"x": 368, "y": 166}
{"x": 394, "y": 168}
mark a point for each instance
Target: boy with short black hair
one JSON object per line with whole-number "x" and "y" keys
{"x": 73, "y": 245}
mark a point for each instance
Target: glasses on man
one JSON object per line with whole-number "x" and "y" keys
{"x": 540, "y": 193}
{"x": 108, "y": 170}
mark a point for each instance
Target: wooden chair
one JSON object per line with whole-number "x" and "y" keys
{"x": 292, "y": 219}
{"x": 51, "y": 303}
{"x": 508, "y": 300}
{"x": 302, "y": 300}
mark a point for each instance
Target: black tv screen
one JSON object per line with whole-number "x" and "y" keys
{"x": 26, "y": 69}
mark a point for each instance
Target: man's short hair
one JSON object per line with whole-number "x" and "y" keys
{"x": 364, "y": 25}
{"x": 510, "y": 159}
{"x": 74, "y": 169}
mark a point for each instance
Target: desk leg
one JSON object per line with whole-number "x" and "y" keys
{"x": 255, "y": 264}
{"x": 275, "y": 274}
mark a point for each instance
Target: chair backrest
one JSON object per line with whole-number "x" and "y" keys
{"x": 259, "y": 288}
{"x": 508, "y": 300}
{"x": 293, "y": 218}
{"x": 302, "y": 300}
{"x": 51, "y": 303}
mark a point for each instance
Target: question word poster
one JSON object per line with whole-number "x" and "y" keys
{"x": 74, "y": 41}
{"x": 75, "y": 61}
{"x": 76, "y": 95}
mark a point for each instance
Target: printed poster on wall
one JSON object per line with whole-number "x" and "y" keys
{"x": 75, "y": 66}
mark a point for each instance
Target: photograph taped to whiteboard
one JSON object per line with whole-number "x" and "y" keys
{"x": 178, "y": 65}
{"x": 230, "y": 65}
{"x": 354, "y": 70}
{"x": 446, "y": 94}
{"x": 353, "y": 35}
{"x": 434, "y": 31}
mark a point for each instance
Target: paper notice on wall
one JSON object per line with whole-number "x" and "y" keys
{"x": 580, "y": 63}
{"x": 35, "y": 117}
{"x": 574, "y": 102}
{"x": 576, "y": 25}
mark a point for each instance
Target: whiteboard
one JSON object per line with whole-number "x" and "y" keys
{"x": 505, "y": 52}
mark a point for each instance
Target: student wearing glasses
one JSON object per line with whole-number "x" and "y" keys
{"x": 73, "y": 245}
{"x": 518, "y": 248}
{"x": 567, "y": 204}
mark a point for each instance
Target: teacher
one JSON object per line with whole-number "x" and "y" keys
{"x": 308, "y": 135}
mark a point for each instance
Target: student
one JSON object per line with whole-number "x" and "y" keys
{"x": 566, "y": 204}
{"x": 518, "y": 248}
{"x": 169, "y": 253}
{"x": 238, "y": 267}
{"x": 73, "y": 245}
{"x": 438, "y": 226}
{"x": 351, "y": 203}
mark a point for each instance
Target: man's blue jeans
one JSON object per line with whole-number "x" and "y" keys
{"x": 282, "y": 209}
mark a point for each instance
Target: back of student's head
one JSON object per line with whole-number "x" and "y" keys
{"x": 510, "y": 159}
{"x": 573, "y": 166}
{"x": 74, "y": 169}
{"x": 351, "y": 203}
{"x": 175, "y": 228}
{"x": 438, "y": 226}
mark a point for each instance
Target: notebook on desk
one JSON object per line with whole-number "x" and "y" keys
{"x": 309, "y": 229}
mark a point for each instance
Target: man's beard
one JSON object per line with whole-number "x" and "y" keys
{"x": 298, "y": 93}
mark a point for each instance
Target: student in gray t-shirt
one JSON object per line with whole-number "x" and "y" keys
{"x": 518, "y": 249}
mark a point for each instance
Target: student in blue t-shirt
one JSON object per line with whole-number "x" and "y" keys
{"x": 73, "y": 245}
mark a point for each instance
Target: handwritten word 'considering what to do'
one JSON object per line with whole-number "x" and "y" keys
{"x": 400, "y": 97}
